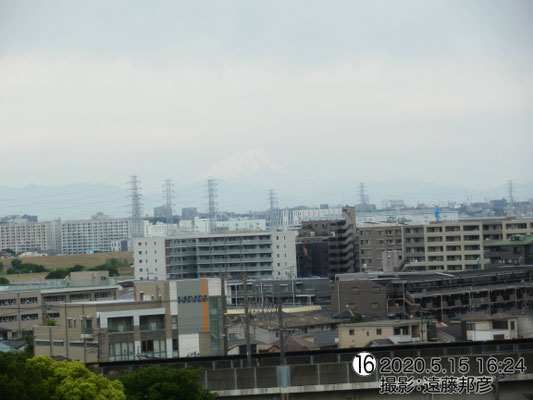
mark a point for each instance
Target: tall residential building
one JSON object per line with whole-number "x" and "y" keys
{"x": 374, "y": 240}
{"x": 21, "y": 236}
{"x": 457, "y": 246}
{"x": 340, "y": 236}
{"x": 162, "y": 320}
{"x": 97, "y": 233}
{"x": 260, "y": 254}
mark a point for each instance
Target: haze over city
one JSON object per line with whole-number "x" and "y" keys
{"x": 347, "y": 92}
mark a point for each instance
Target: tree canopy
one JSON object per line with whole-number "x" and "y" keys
{"x": 164, "y": 383}
{"x": 41, "y": 378}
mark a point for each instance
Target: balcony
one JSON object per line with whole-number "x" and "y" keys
{"x": 153, "y": 326}
{"x": 120, "y": 329}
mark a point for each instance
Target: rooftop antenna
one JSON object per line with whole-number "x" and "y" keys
{"x": 137, "y": 225}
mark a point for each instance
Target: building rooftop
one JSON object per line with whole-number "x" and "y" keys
{"x": 485, "y": 317}
{"x": 384, "y": 323}
{"x": 516, "y": 240}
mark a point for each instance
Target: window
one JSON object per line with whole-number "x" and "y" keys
{"x": 28, "y": 300}
{"x": 378, "y": 331}
{"x": 512, "y": 325}
{"x": 29, "y": 317}
{"x": 10, "y": 302}
{"x": 375, "y": 306}
{"x": 352, "y": 332}
{"x": 356, "y": 290}
{"x": 470, "y": 327}
{"x": 121, "y": 351}
{"x": 376, "y": 290}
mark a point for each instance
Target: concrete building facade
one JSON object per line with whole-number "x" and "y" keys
{"x": 441, "y": 296}
{"x": 457, "y": 246}
{"x": 340, "y": 236}
{"x": 23, "y": 306}
{"x": 260, "y": 254}
{"x": 163, "y": 320}
{"x": 374, "y": 239}
{"x": 97, "y": 233}
{"x": 382, "y": 332}
{"x": 22, "y": 236}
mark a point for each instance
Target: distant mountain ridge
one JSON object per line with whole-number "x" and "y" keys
{"x": 81, "y": 200}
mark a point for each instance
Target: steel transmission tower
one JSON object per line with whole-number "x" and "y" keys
{"x": 169, "y": 196}
{"x": 273, "y": 200}
{"x": 212, "y": 204}
{"x": 510, "y": 211}
{"x": 137, "y": 224}
{"x": 362, "y": 194}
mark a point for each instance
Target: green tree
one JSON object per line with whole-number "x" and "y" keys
{"x": 59, "y": 273}
{"x": 162, "y": 383}
{"x": 4, "y": 280}
{"x": 16, "y": 263}
{"x": 50, "y": 322}
{"x": 1, "y": 265}
{"x": 71, "y": 380}
{"x": 78, "y": 268}
{"x": 356, "y": 318}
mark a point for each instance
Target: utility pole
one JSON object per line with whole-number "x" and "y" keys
{"x": 246, "y": 320}
{"x": 281, "y": 332}
{"x": 224, "y": 312}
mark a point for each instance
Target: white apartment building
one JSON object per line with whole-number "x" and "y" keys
{"x": 260, "y": 254}
{"x": 97, "y": 233}
{"x": 23, "y": 236}
{"x": 201, "y": 225}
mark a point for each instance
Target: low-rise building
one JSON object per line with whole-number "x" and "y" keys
{"x": 440, "y": 295}
{"x": 481, "y": 326}
{"x": 162, "y": 320}
{"x": 293, "y": 292}
{"x": 382, "y": 332}
{"x": 24, "y": 305}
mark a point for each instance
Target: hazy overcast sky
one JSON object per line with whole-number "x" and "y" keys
{"x": 439, "y": 91}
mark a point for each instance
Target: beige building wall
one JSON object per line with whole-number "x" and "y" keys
{"x": 456, "y": 246}
{"x": 362, "y": 334}
{"x": 20, "y": 311}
